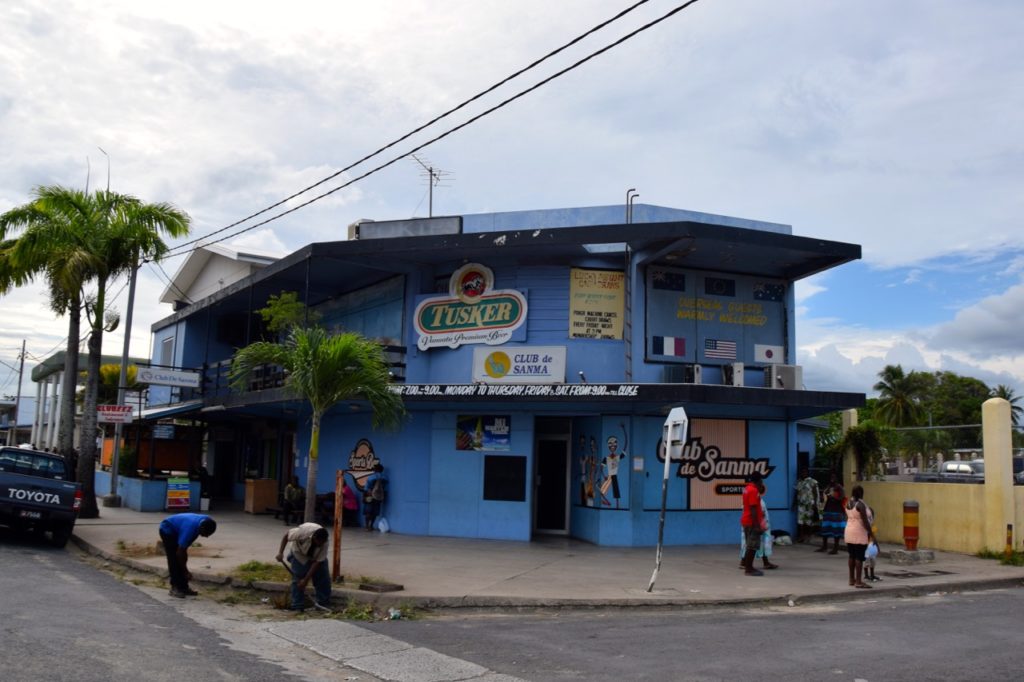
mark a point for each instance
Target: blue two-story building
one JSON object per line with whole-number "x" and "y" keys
{"x": 538, "y": 353}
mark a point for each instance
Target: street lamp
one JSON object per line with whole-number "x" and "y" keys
{"x": 113, "y": 499}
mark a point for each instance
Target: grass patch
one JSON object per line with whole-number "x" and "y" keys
{"x": 355, "y": 610}
{"x": 1014, "y": 558}
{"x": 135, "y": 550}
{"x": 409, "y": 612}
{"x": 252, "y": 571}
{"x": 372, "y": 580}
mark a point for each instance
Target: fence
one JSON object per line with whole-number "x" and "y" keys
{"x": 957, "y": 517}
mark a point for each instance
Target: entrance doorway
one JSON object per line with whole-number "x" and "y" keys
{"x": 551, "y": 492}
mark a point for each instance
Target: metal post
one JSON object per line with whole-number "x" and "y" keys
{"x": 113, "y": 499}
{"x": 673, "y": 441}
{"x": 12, "y": 433}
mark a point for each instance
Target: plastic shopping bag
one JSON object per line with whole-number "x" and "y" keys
{"x": 872, "y": 551}
{"x": 382, "y": 525}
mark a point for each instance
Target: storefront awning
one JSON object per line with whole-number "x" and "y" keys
{"x": 171, "y": 410}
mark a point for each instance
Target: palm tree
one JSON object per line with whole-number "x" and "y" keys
{"x": 899, "y": 402}
{"x": 129, "y": 232}
{"x": 1009, "y": 395}
{"x": 54, "y": 230}
{"x": 325, "y": 369}
{"x": 75, "y": 238}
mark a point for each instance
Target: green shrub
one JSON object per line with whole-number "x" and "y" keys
{"x": 128, "y": 462}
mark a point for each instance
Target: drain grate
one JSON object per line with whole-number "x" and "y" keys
{"x": 905, "y": 574}
{"x": 911, "y": 574}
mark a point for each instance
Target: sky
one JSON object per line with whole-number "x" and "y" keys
{"x": 895, "y": 126}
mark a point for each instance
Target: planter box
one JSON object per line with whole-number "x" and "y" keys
{"x": 143, "y": 494}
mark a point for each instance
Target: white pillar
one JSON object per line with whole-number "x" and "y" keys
{"x": 51, "y": 435}
{"x": 995, "y": 429}
{"x": 56, "y": 417}
{"x": 848, "y": 421}
{"x": 44, "y": 426}
{"x": 37, "y": 420}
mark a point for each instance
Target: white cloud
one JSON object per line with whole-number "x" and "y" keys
{"x": 891, "y": 125}
{"x": 991, "y": 328}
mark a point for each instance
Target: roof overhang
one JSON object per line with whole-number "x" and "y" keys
{"x": 324, "y": 269}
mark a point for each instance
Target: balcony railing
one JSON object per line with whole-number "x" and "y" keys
{"x": 215, "y": 378}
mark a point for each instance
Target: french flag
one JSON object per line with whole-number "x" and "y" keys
{"x": 669, "y": 345}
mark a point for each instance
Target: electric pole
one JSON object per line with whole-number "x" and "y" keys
{"x": 12, "y": 433}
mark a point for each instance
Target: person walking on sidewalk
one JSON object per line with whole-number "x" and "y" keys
{"x": 753, "y": 522}
{"x": 177, "y": 533}
{"x": 764, "y": 549}
{"x": 308, "y": 561}
{"x": 858, "y": 535}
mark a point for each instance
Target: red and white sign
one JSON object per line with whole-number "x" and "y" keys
{"x": 114, "y": 414}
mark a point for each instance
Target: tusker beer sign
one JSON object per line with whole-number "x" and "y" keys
{"x": 472, "y": 312}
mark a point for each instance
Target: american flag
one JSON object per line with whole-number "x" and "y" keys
{"x": 719, "y": 349}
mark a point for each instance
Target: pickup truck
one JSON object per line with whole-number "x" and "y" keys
{"x": 955, "y": 472}
{"x": 36, "y": 495}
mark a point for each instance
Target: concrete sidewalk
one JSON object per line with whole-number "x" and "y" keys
{"x": 453, "y": 572}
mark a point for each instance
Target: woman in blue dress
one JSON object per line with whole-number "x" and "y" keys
{"x": 833, "y": 517}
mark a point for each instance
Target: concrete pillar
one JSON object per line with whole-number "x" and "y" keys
{"x": 51, "y": 432}
{"x": 59, "y": 379}
{"x": 998, "y": 449}
{"x": 44, "y": 427}
{"x": 37, "y": 420}
{"x": 849, "y": 420}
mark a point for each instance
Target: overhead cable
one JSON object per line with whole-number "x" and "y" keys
{"x": 180, "y": 247}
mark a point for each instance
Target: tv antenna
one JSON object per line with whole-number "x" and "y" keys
{"x": 434, "y": 177}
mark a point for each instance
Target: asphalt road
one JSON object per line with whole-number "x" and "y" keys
{"x": 62, "y": 619}
{"x": 972, "y": 636}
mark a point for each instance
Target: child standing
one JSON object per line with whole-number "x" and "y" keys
{"x": 872, "y": 552}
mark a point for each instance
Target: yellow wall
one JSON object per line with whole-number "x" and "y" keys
{"x": 951, "y": 516}
{"x": 1018, "y": 520}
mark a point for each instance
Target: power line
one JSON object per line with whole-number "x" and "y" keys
{"x": 429, "y": 123}
{"x": 437, "y": 138}
{"x": 167, "y": 278}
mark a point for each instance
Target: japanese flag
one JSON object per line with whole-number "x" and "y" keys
{"x": 769, "y": 354}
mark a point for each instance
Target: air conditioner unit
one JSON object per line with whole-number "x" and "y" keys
{"x": 789, "y": 377}
{"x": 692, "y": 374}
{"x": 732, "y": 374}
{"x": 353, "y": 228}
{"x": 687, "y": 373}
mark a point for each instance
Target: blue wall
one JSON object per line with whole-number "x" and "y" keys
{"x": 457, "y": 482}
{"x": 636, "y": 523}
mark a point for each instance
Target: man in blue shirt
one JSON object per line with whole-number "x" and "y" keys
{"x": 177, "y": 533}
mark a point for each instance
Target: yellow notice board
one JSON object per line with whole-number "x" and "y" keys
{"x": 596, "y": 302}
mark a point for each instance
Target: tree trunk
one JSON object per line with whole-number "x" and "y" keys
{"x": 66, "y": 435}
{"x": 311, "y": 470}
{"x": 87, "y": 459}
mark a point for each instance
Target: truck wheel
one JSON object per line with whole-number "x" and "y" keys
{"x": 60, "y": 535}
